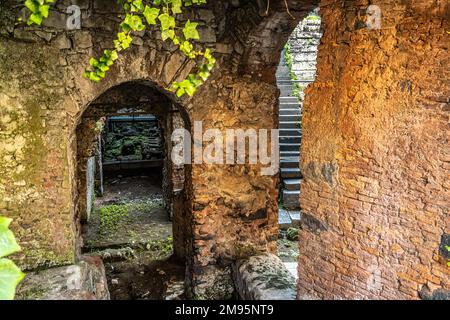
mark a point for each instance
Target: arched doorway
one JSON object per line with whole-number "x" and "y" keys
{"x": 130, "y": 197}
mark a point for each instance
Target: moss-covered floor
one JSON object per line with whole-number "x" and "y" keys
{"x": 130, "y": 229}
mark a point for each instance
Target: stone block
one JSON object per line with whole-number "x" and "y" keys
{"x": 264, "y": 277}
{"x": 85, "y": 280}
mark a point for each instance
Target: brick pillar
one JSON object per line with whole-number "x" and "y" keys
{"x": 375, "y": 156}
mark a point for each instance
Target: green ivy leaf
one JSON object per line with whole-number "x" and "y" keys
{"x": 32, "y": 5}
{"x": 10, "y": 276}
{"x": 8, "y": 243}
{"x": 35, "y": 18}
{"x": 176, "y": 6}
{"x": 44, "y": 10}
{"x": 190, "y": 30}
{"x": 167, "y": 22}
{"x": 151, "y": 14}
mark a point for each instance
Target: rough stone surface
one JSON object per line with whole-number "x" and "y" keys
{"x": 48, "y": 128}
{"x": 375, "y": 151}
{"x": 264, "y": 277}
{"x": 85, "y": 280}
{"x": 377, "y": 115}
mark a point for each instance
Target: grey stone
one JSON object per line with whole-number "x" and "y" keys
{"x": 264, "y": 277}
{"x": 55, "y": 20}
{"x": 62, "y": 42}
{"x": 47, "y": 36}
{"x": 25, "y": 35}
{"x": 207, "y": 34}
{"x": 83, "y": 281}
{"x": 206, "y": 15}
{"x": 83, "y": 40}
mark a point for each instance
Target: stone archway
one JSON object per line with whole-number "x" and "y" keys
{"x": 134, "y": 98}
{"x": 375, "y": 211}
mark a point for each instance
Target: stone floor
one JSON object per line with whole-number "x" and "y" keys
{"x": 292, "y": 268}
{"x": 131, "y": 231}
{"x": 130, "y": 213}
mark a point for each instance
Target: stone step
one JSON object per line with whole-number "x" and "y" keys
{"x": 289, "y": 125}
{"x": 302, "y": 82}
{"x": 290, "y": 112}
{"x": 288, "y": 100}
{"x": 284, "y": 139}
{"x": 289, "y": 118}
{"x": 286, "y": 77}
{"x": 290, "y": 173}
{"x": 283, "y": 71}
{"x": 284, "y": 219}
{"x": 291, "y": 162}
{"x": 310, "y": 34}
{"x": 291, "y": 105}
{"x": 292, "y": 184}
{"x": 296, "y": 132}
{"x": 291, "y": 199}
{"x": 285, "y": 90}
{"x": 295, "y": 216}
{"x": 289, "y": 146}
{"x": 289, "y": 154}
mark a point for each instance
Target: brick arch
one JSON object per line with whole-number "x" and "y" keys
{"x": 131, "y": 97}
{"x": 261, "y": 34}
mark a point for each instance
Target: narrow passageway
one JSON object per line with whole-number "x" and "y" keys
{"x": 129, "y": 227}
{"x": 297, "y": 69}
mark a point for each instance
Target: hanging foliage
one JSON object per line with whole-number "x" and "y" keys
{"x": 10, "y": 274}
{"x": 138, "y": 15}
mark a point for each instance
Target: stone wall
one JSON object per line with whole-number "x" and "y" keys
{"x": 375, "y": 154}
{"x": 303, "y": 45}
{"x": 375, "y": 151}
{"x": 230, "y": 211}
{"x": 90, "y": 186}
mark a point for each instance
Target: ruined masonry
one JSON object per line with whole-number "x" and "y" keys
{"x": 375, "y": 157}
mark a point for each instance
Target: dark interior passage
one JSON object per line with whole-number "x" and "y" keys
{"x": 129, "y": 226}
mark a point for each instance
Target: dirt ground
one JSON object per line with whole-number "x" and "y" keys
{"x": 288, "y": 250}
{"x": 131, "y": 231}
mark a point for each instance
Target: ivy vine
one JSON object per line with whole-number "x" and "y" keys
{"x": 138, "y": 15}
{"x": 10, "y": 274}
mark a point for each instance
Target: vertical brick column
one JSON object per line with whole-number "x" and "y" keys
{"x": 375, "y": 156}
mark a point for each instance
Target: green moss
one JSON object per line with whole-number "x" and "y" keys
{"x": 277, "y": 280}
{"x": 34, "y": 293}
{"x": 165, "y": 246}
{"x": 243, "y": 251}
{"x": 111, "y": 216}
{"x": 313, "y": 17}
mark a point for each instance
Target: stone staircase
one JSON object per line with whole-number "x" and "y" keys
{"x": 290, "y": 139}
{"x": 303, "y": 43}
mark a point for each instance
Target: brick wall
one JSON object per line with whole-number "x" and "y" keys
{"x": 375, "y": 155}
{"x": 375, "y": 145}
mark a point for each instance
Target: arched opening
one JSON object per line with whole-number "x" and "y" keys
{"x": 130, "y": 196}
{"x": 297, "y": 69}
